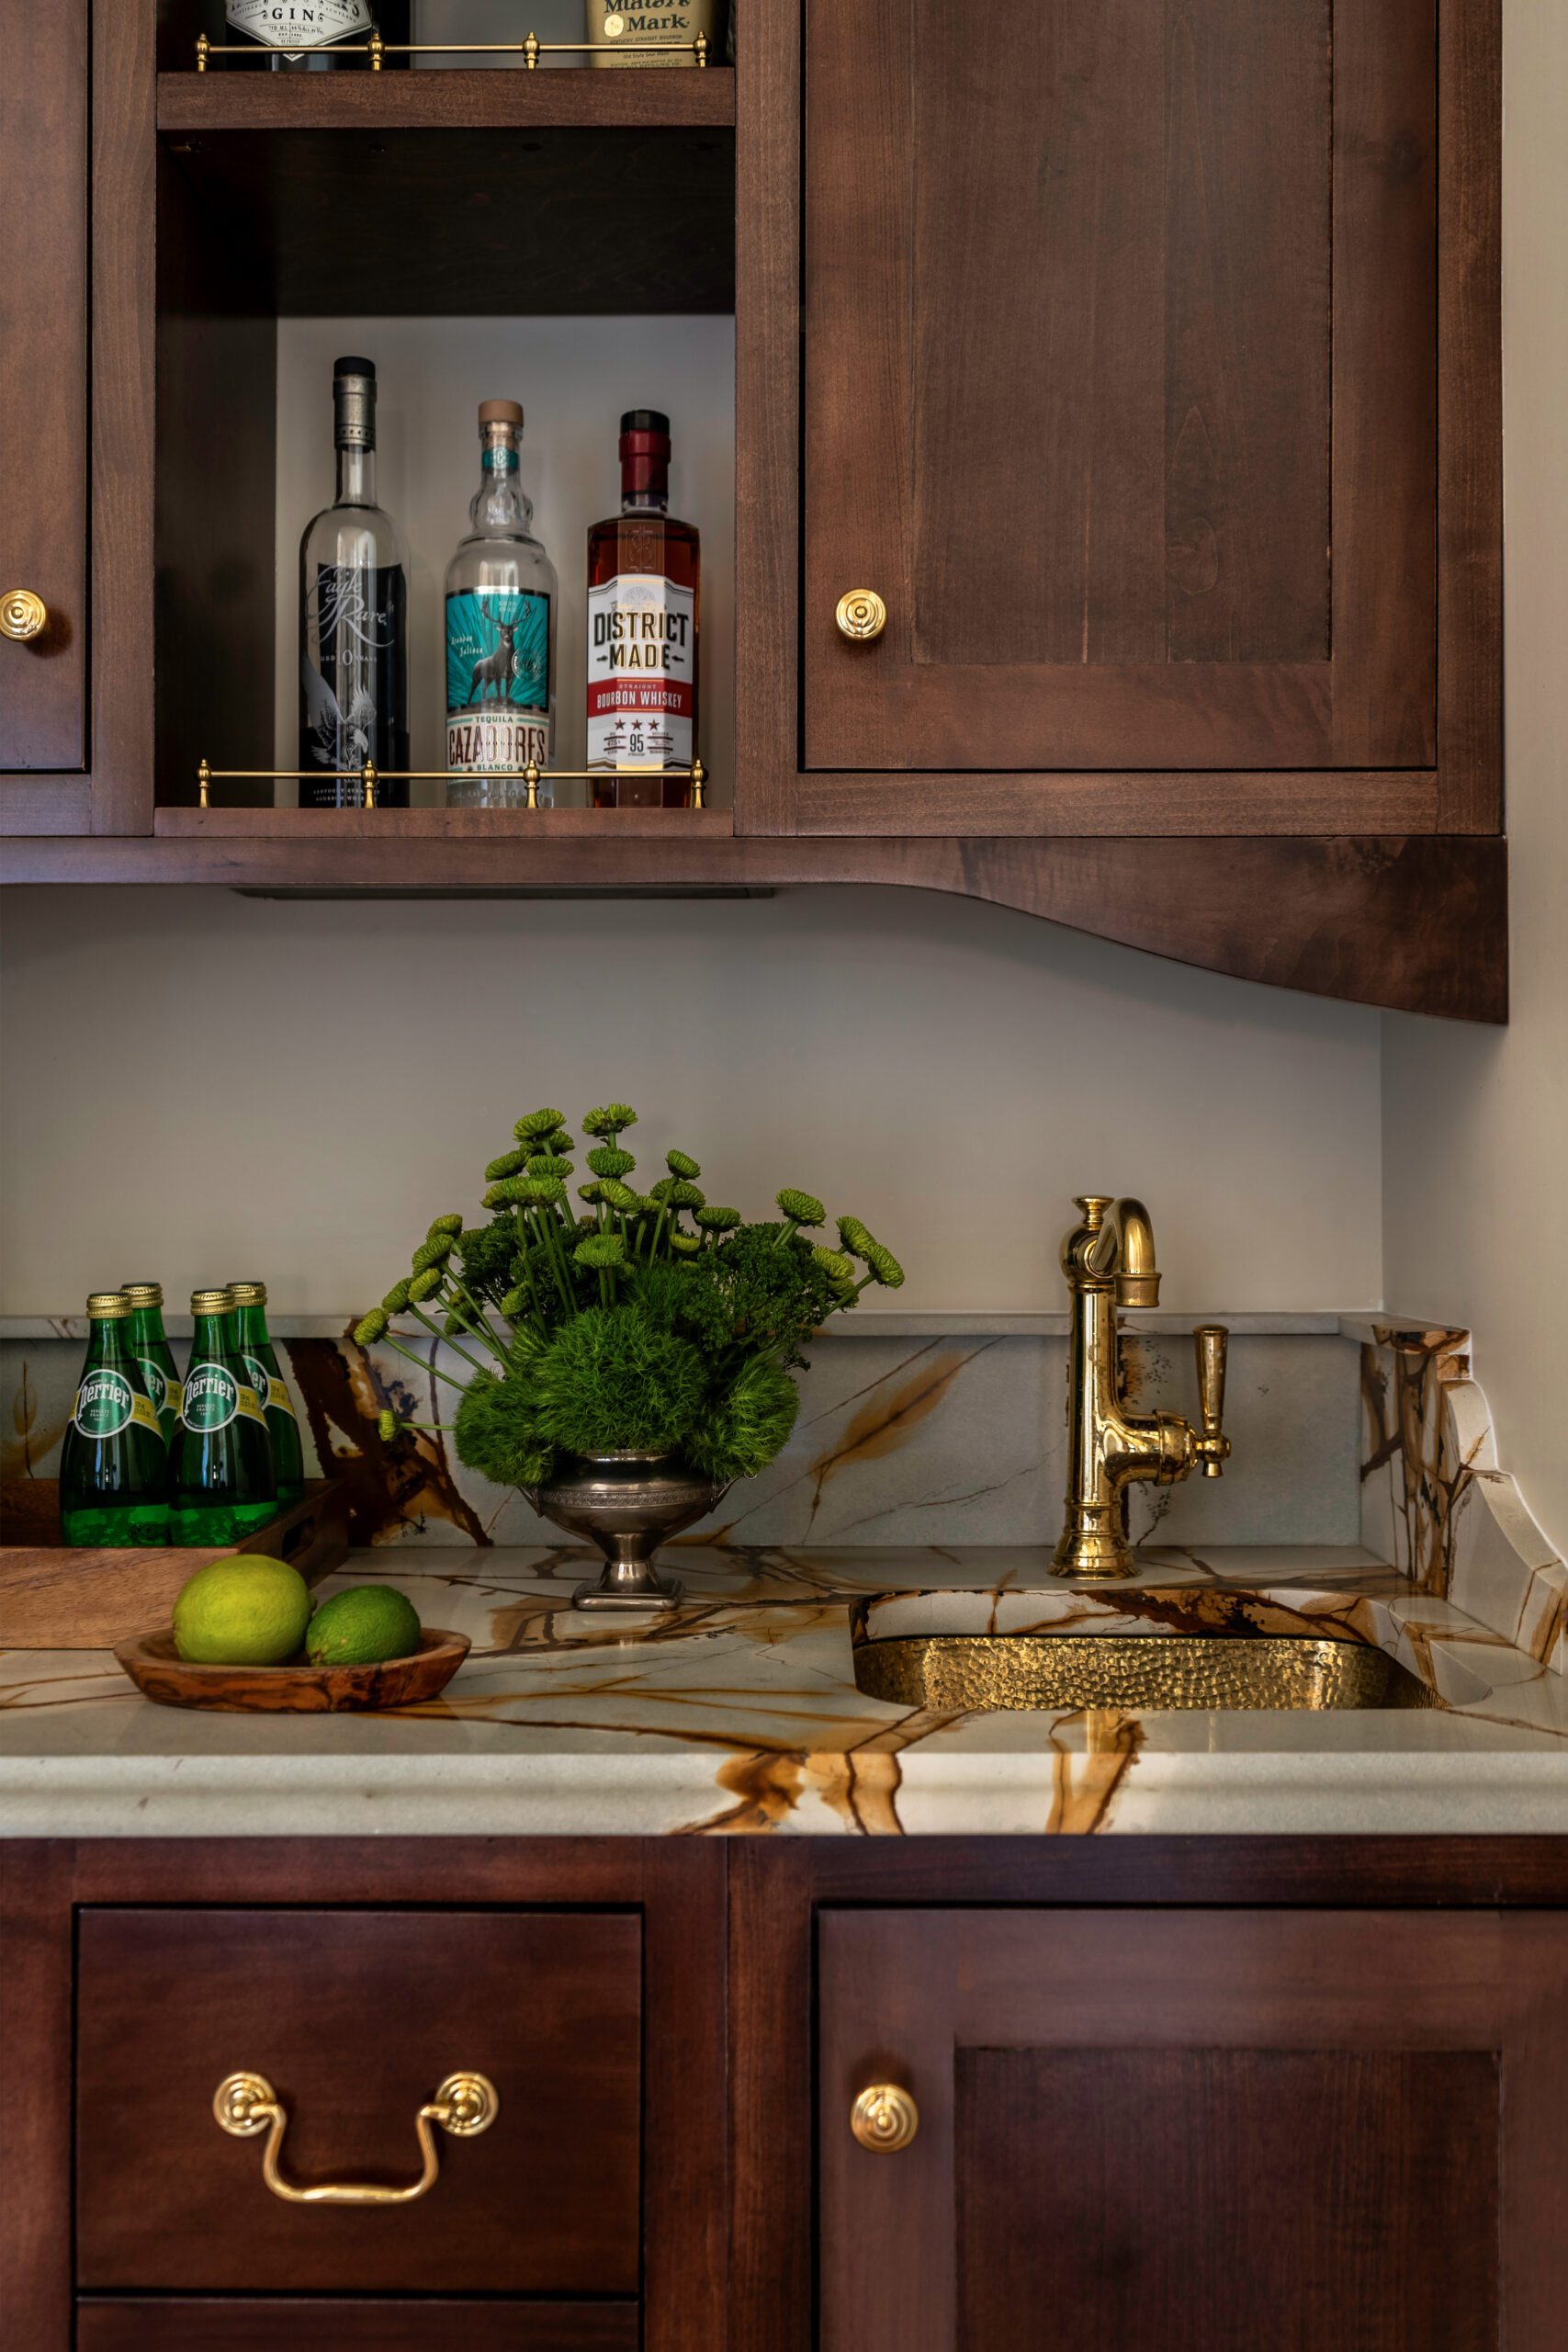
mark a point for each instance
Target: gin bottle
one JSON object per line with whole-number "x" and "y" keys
{"x": 353, "y": 671}
{"x": 643, "y": 608}
{"x": 501, "y": 633}
{"x": 300, "y": 33}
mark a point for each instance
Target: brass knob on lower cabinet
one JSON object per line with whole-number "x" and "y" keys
{"x": 22, "y": 614}
{"x": 862, "y": 614}
{"x": 884, "y": 2118}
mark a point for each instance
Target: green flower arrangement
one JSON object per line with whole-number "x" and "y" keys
{"x": 652, "y": 1322}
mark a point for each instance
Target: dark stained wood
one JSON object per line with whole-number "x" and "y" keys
{"x": 217, "y": 643}
{"x": 355, "y": 2017}
{"x": 686, "y": 2290}
{"x": 1411, "y": 2033}
{"x": 773, "y": 2169}
{"x": 35, "y": 2093}
{"x": 1117, "y": 800}
{"x": 1469, "y": 417}
{"x": 43, "y": 377}
{"x": 447, "y": 100}
{"x": 55, "y": 1597}
{"x": 471, "y": 218}
{"x": 295, "y": 2325}
{"x": 1213, "y": 2201}
{"x": 161, "y": 1675}
{"x": 1414, "y": 924}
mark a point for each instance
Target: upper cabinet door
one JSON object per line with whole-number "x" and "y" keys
{"x": 1120, "y": 389}
{"x": 43, "y": 385}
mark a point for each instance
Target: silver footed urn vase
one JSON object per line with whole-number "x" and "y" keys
{"x": 626, "y": 1505}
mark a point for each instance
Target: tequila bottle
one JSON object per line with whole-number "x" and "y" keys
{"x": 354, "y": 670}
{"x": 501, "y": 633}
{"x": 644, "y": 610}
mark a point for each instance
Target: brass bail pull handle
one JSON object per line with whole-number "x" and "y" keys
{"x": 245, "y": 2104}
{"x": 1210, "y": 1341}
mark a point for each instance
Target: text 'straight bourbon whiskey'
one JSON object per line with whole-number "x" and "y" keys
{"x": 643, "y": 608}
{"x": 501, "y": 633}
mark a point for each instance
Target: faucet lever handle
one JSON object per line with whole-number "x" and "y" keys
{"x": 1210, "y": 1342}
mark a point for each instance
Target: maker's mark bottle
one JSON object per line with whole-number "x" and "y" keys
{"x": 353, "y": 665}
{"x": 113, "y": 1464}
{"x": 259, "y": 1358}
{"x": 222, "y": 1486}
{"x": 644, "y": 611}
{"x": 501, "y": 633}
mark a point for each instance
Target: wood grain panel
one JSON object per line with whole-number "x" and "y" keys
{"x": 1248, "y": 332}
{"x": 356, "y": 2017}
{"x": 43, "y": 377}
{"x": 334, "y": 2326}
{"x": 447, "y": 98}
{"x": 1214, "y": 2200}
{"x": 1407, "y": 921}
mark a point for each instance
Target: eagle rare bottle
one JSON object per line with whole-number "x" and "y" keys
{"x": 354, "y": 625}
{"x": 113, "y": 1464}
{"x": 501, "y": 633}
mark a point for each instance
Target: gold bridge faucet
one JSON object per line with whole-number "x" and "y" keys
{"x": 1108, "y": 1262}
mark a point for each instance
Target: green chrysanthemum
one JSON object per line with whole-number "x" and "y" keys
{"x": 612, "y": 1120}
{"x": 423, "y": 1286}
{"x": 839, "y": 1269}
{"x": 593, "y": 1194}
{"x": 451, "y": 1224}
{"x": 717, "y": 1220}
{"x": 547, "y": 1163}
{"x": 536, "y": 1125}
{"x": 680, "y": 1163}
{"x": 539, "y": 1191}
{"x": 883, "y": 1266}
{"x": 432, "y": 1253}
{"x": 674, "y": 1192}
{"x": 621, "y": 1196}
{"x": 801, "y": 1208}
{"x": 687, "y": 1245}
{"x": 601, "y": 1250}
{"x": 386, "y": 1425}
{"x": 396, "y": 1298}
{"x": 516, "y": 1303}
{"x": 373, "y": 1327}
{"x": 611, "y": 1160}
{"x": 510, "y": 1164}
{"x": 853, "y": 1236}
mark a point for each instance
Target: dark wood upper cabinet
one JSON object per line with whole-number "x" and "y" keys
{"x": 1198, "y": 2131}
{"x": 1126, "y": 387}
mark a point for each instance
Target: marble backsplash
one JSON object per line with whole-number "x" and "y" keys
{"x": 904, "y": 1436}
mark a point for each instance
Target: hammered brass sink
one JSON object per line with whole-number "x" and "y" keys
{"x": 954, "y": 1673}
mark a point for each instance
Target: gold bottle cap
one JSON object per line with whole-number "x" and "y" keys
{"x": 109, "y": 1306}
{"x": 211, "y": 1302}
{"x": 248, "y": 1293}
{"x": 143, "y": 1293}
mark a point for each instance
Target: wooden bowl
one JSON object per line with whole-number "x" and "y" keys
{"x": 172, "y": 1682}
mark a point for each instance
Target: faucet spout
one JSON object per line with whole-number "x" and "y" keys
{"x": 1108, "y": 1261}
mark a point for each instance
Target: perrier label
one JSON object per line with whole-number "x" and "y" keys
{"x": 223, "y": 1484}
{"x": 259, "y": 1358}
{"x": 112, "y": 1464}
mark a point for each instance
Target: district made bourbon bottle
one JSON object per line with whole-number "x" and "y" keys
{"x": 644, "y": 613}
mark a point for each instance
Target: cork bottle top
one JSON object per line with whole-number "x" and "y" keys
{"x": 499, "y": 412}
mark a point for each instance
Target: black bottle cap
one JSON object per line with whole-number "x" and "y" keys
{"x": 354, "y": 367}
{"x": 644, "y": 420}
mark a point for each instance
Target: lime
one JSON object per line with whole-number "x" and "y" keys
{"x": 362, "y": 1627}
{"x": 249, "y": 1610}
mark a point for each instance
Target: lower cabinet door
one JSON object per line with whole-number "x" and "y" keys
{"x": 1194, "y": 2132}
{"x": 354, "y": 2020}
{"x": 294, "y": 2325}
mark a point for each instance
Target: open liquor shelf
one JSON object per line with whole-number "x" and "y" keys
{"x": 1185, "y": 517}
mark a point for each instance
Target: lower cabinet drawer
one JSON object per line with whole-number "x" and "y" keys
{"x": 293, "y": 2325}
{"x": 354, "y": 2020}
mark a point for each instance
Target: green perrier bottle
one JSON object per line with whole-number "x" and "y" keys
{"x": 260, "y": 1359}
{"x": 154, "y": 1353}
{"x": 221, "y": 1482}
{"x": 113, "y": 1465}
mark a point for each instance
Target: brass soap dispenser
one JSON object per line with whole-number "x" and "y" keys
{"x": 1108, "y": 1261}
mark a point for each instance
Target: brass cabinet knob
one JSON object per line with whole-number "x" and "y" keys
{"x": 245, "y": 2104}
{"x": 22, "y": 614}
{"x": 884, "y": 2118}
{"x": 862, "y": 614}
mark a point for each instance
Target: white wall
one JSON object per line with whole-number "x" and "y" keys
{"x": 215, "y": 1084}
{"x": 574, "y": 377}
{"x": 1476, "y": 1121}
